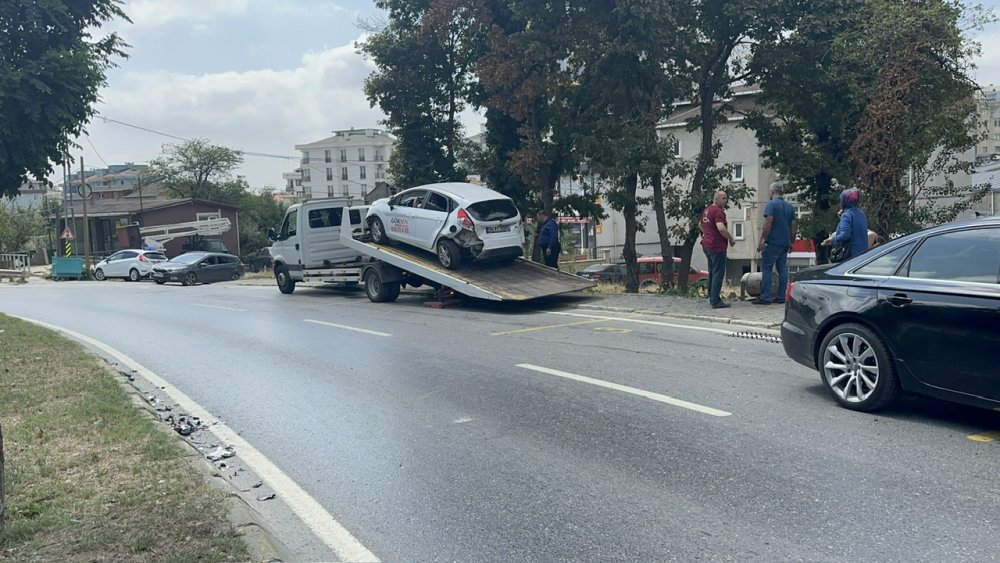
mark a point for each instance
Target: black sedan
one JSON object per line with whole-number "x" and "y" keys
{"x": 199, "y": 267}
{"x": 920, "y": 314}
{"x": 604, "y": 273}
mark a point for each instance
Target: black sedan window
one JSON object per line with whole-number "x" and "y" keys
{"x": 972, "y": 256}
{"x": 887, "y": 264}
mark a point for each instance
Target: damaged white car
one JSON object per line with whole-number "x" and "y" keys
{"x": 453, "y": 220}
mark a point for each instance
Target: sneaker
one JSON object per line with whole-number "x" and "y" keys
{"x": 760, "y": 301}
{"x": 721, "y": 305}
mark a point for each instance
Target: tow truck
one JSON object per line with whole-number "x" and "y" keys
{"x": 328, "y": 241}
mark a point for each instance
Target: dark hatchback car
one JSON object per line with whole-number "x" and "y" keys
{"x": 604, "y": 273}
{"x": 919, "y": 314}
{"x": 198, "y": 267}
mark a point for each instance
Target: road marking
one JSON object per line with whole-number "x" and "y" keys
{"x": 626, "y": 389}
{"x": 612, "y": 329}
{"x": 985, "y": 436}
{"x": 644, "y": 322}
{"x": 545, "y": 327}
{"x": 217, "y": 307}
{"x": 311, "y": 512}
{"x": 345, "y": 327}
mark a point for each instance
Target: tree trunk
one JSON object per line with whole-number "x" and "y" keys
{"x": 667, "y": 251}
{"x": 631, "y": 212}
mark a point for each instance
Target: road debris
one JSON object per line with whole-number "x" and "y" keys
{"x": 220, "y": 453}
{"x": 267, "y": 497}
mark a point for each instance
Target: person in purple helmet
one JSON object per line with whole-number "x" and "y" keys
{"x": 853, "y": 227}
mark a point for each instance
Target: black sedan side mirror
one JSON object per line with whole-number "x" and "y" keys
{"x": 271, "y": 235}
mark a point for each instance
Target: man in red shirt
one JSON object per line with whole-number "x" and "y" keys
{"x": 715, "y": 240}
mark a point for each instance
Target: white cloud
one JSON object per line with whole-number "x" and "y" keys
{"x": 155, "y": 13}
{"x": 988, "y": 63}
{"x": 265, "y": 111}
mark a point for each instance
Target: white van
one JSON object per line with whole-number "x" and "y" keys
{"x": 309, "y": 239}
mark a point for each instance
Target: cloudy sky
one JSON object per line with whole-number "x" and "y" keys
{"x": 259, "y": 76}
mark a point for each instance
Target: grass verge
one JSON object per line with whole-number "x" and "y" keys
{"x": 89, "y": 476}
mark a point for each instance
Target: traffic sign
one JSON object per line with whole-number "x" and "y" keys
{"x": 67, "y": 234}
{"x": 85, "y": 191}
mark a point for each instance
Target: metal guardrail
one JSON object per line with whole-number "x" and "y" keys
{"x": 15, "y": 265}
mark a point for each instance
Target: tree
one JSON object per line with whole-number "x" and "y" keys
{"x": 199, "y": 169}
{"x": 258, "y": 212}
{"x": 17, "y": 226}
{"x": 51, "y": 69}
{"x": 423, "y": 78}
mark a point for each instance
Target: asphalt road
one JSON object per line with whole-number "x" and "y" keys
{"x": 484, "y": 433}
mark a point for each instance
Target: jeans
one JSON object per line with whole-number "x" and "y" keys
{"x": 774, "y": 256}
{"x": 716, "y": 273}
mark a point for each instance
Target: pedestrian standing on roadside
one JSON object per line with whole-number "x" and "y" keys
{"x": 853, "y": 227}
{"x": 716, "y": 240}
{"x": 548, "y": 239}
{"x": 776, "y": 239}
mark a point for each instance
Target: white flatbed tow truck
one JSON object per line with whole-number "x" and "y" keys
{"x": 310, "y": 252}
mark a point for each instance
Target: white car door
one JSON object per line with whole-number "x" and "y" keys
{"x": 429, "y": 219}
{"x": 119, "y": 263}
{"x": 401, "y": 220}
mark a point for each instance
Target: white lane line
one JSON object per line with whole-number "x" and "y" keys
{"x": 626, "y": 389}
{"x": 217, "y": 307}
{"x": 311, "y": 512}
{"x": 345, "y": 327}
{"x": 644, "y": 322}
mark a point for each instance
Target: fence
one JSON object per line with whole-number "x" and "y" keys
{"x": 15, "y": 265}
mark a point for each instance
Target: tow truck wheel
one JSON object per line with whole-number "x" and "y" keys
{"x": 286, "y": 284}
{"x": 448, "y": 253}
{"x": 378, "y": 231}
{"x": 379, "y": 291}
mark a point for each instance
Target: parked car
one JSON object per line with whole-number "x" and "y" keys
{"x": 453, "y": 220}
{"x": 651, "y": 271}
{"x": 604, "y": 273}
{"x": 131, "y": 264}
{"x": 919, "y": 314}
{"x": 199, "y": 267}
{"x": 261, "y": 260}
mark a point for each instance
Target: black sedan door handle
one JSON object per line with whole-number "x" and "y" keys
{"x": 899, "y": 299}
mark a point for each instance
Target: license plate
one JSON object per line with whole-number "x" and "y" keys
{"x": 498, "y": 229}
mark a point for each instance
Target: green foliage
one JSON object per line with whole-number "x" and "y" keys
{"x": 423, "y": 78}
{"x": 51, "y": 69}
{"x": 258, "y": 212}
{"x": 17, "y": 226}
{"x": 199, "y": 169}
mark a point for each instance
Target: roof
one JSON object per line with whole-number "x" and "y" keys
{"x": 119, "y": 207}
{"x": 743, "y": 101}
{"x": 464, "y": 190}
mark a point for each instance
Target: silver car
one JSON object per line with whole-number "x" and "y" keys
{"x": 453, "y": 220}
{"x": 132, "y": 264}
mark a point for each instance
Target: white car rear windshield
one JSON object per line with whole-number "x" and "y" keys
{"x": 493, "y": 210}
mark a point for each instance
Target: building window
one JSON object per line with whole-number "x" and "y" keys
{"x": 207, "y": 216}
{"x": 996, "y": 136}
{"x": 343, "y": 155}
{"x": 306, "y": 176}
{"x": 307, "y": 192}
{"x": 364, "y": 172}
{"x": 329, "y": 174}
{"x": 343, "y": 173}
{"x": 361, "y": 154}
{"x": 305, "y": 157}
{"x": 378, "y": 155}
{"x": 345, "y": 190}
{"x": 677, "y": 149}
{"x": 748, "y": 213}
{"x": 737, "y": 172}
{"x": 329, "y": 191}
{"x": 738, "y": 231}
{"x": 996, "y": 122}
{"x": 996, "y": 149}
{"x": 364, "y": 189}
{"x": 379, "y": 172}
{"x": 328, "y": 155}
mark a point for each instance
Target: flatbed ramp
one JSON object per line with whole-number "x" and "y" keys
{"x": 520, "y": 280}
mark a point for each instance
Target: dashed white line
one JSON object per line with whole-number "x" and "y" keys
{"x": 644, "y": 322}
{"x": 218, "y": 307}
{"x": 626, "y": 389}
{"x": 311, "y": 512}
{"x": 345, "y": 327}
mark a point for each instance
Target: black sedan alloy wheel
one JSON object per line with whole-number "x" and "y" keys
{"x": 855, "y": 366}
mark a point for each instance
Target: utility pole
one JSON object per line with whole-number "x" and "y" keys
{"x": 86, "y": 226}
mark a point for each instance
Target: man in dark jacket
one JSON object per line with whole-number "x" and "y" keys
{"x": 548, "y": 239}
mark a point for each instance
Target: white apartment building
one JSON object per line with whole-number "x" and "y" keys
{"x": 350, "y": 163}
{"x": 988, "y": 103}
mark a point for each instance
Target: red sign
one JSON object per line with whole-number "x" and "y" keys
{"x": 67, "y": 234}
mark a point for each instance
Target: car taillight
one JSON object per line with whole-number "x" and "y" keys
{"x": 142, "y": 257}
{"x": 464, "y": 219}
{"x": 788, "y": 292}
